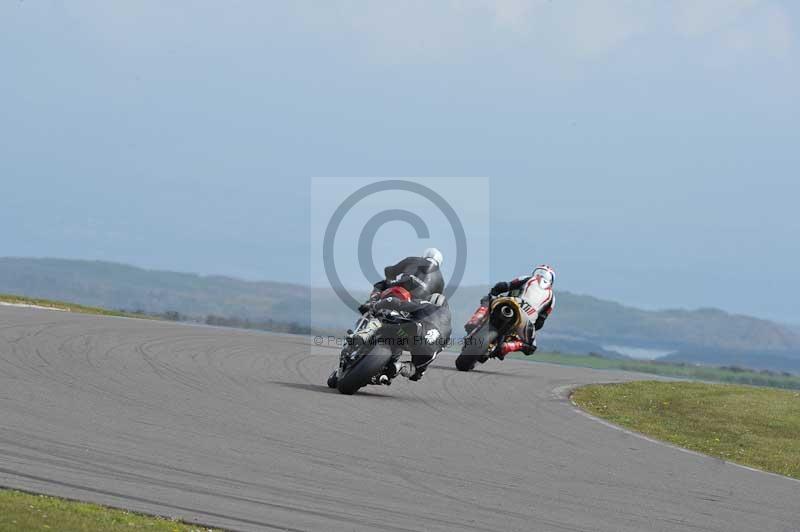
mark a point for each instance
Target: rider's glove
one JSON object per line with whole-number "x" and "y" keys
{"x": 417, "y": 282}
{"x": 499, "y": 288}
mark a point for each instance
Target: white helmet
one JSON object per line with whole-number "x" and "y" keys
{"x": 434, "y": 255}
{"x": 545, "y": 276}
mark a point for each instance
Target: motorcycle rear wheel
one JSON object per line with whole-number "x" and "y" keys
{"x": 476, "y": 350}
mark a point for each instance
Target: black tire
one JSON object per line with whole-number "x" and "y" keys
{"x": 476, "y": 350}
{"x": 465, "y": 362}
{"x": 359, "y": 375}
{"x": 333, "y": 380}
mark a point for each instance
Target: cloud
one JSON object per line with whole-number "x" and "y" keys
{"x": 514, "y": 15}
{"x": 768, "y": 33}
{"x": 578, "y": 30}
{"x": 597, "y": 28}
{"x": 421, "y": 31}
{"x": 742, "y": 33}
{"x": 699, "y": 17}
{"x": 556, "y": 35}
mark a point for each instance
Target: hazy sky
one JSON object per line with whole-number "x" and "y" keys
{"x": 649, "y": 150}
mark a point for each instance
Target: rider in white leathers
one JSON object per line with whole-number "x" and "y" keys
{"x": 535, "y": 294}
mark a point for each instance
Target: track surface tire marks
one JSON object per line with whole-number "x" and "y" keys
{"x": 237, "y": 429}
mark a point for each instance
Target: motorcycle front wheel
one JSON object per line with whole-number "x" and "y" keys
{"x": 359, "y": 375}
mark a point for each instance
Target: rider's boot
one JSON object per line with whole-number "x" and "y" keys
{"x": 406, "y": 369}
{"x": 389, "y": 373}
{"x": 510, "y": 347}
{"x": 505, "y": 348}
{"x": 516, "y": 345}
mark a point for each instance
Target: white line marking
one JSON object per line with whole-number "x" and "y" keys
{"x": 28, "y": 305}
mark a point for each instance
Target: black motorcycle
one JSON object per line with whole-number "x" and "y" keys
{"x": 361, "y": 364}
{"x": 498, "y": 324}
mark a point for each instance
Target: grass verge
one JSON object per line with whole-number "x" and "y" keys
{"x": 22, "y": 512}
{"x": 683, "y": 371}
{"x": 758, "y": 427}
{"x": 69, "y": 307}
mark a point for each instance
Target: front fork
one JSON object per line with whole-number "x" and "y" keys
{"x": 364, "y": 329}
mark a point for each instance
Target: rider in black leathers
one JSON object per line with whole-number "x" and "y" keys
{"x": 434, "y": 326}
{"x": 427, "y": 306}
{"x": 424, "y": 273}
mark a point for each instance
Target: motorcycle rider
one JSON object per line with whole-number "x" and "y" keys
{"x": 425, "y": 273}
{"x": 421, "y": 276}
{"x": 414, "y": 288}
{"x": 535, "y": 294}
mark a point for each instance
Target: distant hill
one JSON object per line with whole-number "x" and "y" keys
{"x": 119, "y": 286}
{"x": 580, "y": 324}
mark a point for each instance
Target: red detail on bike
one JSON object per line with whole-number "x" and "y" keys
{"x": 477, "y": 317}
{"x": 510, "y": 347}
{"x": 396, "y": 291}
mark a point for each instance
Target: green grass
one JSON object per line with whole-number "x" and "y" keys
{"x": 758, "y": 427}
{"x": 682, "y": 371}
{"x": 70, "y": 307}
{"x": 22, "y": 511}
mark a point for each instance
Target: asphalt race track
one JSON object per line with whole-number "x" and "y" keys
{"x": 237, "y": 429}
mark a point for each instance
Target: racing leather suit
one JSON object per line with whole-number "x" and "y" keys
{"x": 434, "y": 326}
{"x": 426, "y": 271}
{"x": 537, "y": 304}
